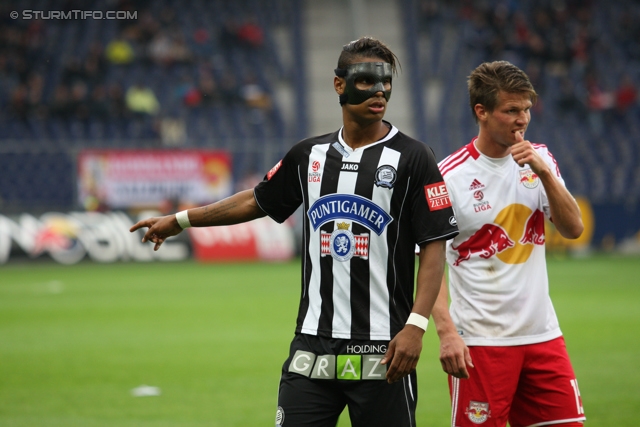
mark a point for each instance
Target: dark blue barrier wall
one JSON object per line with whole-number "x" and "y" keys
{"x": 37, "y": 180}
{"x": 615, "y": 220}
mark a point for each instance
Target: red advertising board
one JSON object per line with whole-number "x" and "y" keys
{"x": 138, "y": 178}
{"x": 261, "y": 239}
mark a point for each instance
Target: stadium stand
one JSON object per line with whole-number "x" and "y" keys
{"x": 583, "y": 58}
{"x": 196, "y": 75}
{"x": 208, "y": 74}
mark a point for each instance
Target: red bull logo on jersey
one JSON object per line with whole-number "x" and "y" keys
{"x": 348, "y": 207}
{"x": 534, "y": 229}
{"x": 478, "y": 412}
{"x": 511, "y": 237}
{"x": 529, "y": 179}
{"x": 487, "y": 241}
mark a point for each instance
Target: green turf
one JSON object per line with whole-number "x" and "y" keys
{"x": 74, "y": 340}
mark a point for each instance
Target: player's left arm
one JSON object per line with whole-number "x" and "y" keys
{"x": 404, "y": 350}
{"x": 564, "y": 209}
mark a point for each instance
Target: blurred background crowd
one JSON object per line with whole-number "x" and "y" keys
{"x": 207, "y": 74}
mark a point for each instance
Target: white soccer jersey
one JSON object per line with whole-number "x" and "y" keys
{"x": 497, "y": 269}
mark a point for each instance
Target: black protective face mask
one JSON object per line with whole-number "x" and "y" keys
{"x": 378, "y": 72}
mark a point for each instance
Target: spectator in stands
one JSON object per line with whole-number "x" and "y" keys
{"x": 209, "y": 92}
{"x": 521, "y": 32}
{"x": 250, "y": 34}
{"x": 202, "y": 43}
{"x": 257, "y": 99}
{"x": 187, "y": 92}
{"x": 172, "y": 131}
{"x": 568, "y": 102}
{"x": 627, "y": 32}
{"x": 146, "y": 28}
{"x": 142, "y": 101}
{"x": 35, "y": 87}
{"x": 117, "y": 103}
{"x": 626, "y": 98}
{"x": 19, "y": 107}
{"x": 168, "y": 48}
{"x": 228, "y": 36}
{"x": 477, "y": 33}
{"x": 94, "y": 69}
{"x": 73, "y": 71}
{"x": 600, "y": 102}
{"x": 99, "y": 103}
{"x": 430, "y": 13}
{"x": 230, "y": 91}
{"x": 119, "y": 51}
{"x": 79, "y": 102}
{"x": 60, "y": 107}
{"x": 254, "y": 94}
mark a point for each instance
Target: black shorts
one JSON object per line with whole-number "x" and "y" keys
{"x": 322, "y": 376}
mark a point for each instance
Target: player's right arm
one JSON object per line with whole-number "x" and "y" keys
{"x": 241, "y": 207}
{"x": 454, "y": 354}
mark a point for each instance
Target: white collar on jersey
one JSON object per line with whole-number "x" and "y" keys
{"x": 497, "y": 162}
{"x": 392, "y": 132}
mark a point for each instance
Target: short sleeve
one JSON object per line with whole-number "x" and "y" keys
{"x": 432, "y": 212}
{"x": 280, "y": 193}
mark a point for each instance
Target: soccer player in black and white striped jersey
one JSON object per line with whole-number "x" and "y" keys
{"x": 370, "y": 195}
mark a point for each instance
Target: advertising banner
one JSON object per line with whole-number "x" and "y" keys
{"x": 261, "y": 239}
{"x": 122, "y": 179}
{"x": 71, "y": 237}
{"x": 104, "y": 237}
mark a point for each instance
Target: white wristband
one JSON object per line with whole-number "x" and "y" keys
{"x": 418, "y": 320}
{"x": 183, "y": 219}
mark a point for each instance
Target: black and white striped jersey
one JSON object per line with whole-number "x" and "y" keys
{"x": 364, "y": 212}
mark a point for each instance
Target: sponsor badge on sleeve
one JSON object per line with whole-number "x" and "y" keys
{"x": 437, "y": 196}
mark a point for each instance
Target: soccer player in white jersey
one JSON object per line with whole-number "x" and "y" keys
{"x": 370, "y": 194}
{"x": 500, "y": 341}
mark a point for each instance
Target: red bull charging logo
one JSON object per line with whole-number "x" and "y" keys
{"x": 478, "y": 412}
{"x": 511, "y": 237}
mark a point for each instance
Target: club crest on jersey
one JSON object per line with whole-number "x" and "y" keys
{"x": 351, "y": 207}
{"x": 342, "y": 245}
{"x": 529, "y": 179}
{"x": 478, "y": 412}
{"x": 386, "y": 176}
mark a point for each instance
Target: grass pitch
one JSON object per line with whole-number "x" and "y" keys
{"x": 75, "y": 340}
